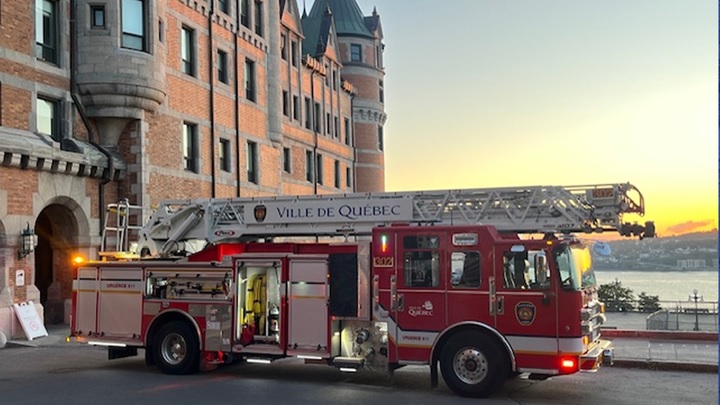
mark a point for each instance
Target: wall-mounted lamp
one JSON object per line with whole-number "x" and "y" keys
{"x": 28, "y": 241}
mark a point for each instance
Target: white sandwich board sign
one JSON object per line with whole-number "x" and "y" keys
{"x": 30, "y": 320}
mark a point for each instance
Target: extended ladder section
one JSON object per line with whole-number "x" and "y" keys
{"x": 535, "y": 209}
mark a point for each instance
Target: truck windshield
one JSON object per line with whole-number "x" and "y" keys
{"x": 575, "y": 267}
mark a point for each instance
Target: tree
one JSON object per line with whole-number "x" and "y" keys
{"x": 648, "y": 303}
{"x": 616, "y": 297}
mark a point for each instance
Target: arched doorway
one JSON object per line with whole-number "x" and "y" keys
{"x": 57, "y": 231}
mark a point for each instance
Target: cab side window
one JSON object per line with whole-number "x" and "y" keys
{"x": 526, "y": 270}
{"x": 465, "y": 269}
{"x": 421, "y": 261}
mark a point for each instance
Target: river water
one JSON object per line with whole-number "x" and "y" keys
{"x": 667, "y": 285}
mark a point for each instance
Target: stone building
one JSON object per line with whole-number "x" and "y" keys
{"x": 145, "y": 100}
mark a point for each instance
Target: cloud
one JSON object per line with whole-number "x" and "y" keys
{"x": 690, "y": 226}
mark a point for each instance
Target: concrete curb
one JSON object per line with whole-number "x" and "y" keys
{"x": 666, "y": 365}
{"x": 659, "y": 335}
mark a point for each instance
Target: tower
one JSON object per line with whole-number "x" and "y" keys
{"x": 361, "y": 51}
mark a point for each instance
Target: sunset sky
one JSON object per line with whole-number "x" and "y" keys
{"x": 489, "y": 93}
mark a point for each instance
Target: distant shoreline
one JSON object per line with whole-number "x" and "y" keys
{"x": 706, "y": 269}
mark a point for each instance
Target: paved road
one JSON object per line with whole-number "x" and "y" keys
{"x": 79, "y": 374}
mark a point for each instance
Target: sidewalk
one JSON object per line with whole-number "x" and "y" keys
{"x": 642, "y": 349}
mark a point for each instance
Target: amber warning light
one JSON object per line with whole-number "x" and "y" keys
{"x": 384, "y": 256}
{"x": 78, "y": 260}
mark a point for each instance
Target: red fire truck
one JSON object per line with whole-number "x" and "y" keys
{"x": 480, "y": 283}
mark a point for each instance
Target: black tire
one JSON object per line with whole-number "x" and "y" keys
{"x": 473, "y": 364}
{"x": 176, "y": 349}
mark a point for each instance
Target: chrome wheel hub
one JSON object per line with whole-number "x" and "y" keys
{"x": 174, "y": 349}
{"x": 470, "y": 366}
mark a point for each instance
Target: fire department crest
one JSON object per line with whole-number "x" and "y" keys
{"x": 525, "y": 313}
{"x": 260, "y": 213}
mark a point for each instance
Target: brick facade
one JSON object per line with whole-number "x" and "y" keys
{"x": 120, "y": 123}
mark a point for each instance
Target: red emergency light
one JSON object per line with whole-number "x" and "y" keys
{"x": 568, "y": 364}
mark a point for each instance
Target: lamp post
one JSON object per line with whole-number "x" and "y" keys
{"x": 695, "y": 297}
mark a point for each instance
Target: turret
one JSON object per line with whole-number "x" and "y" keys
{"x": 361, "y": 48}
{"x": 121, "y": 55}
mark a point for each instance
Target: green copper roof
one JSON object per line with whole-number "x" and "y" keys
{"x": 348, "y": 17}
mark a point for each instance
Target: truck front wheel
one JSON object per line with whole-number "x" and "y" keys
{"x": 176, "y": 348}
{"x": 473, "y": 364}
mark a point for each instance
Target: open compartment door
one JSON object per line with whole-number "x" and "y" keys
{"x": 308, "y": 315}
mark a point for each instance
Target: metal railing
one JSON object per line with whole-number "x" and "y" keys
{"x": 684, "y": 316}
{"x": 671, "y": 315}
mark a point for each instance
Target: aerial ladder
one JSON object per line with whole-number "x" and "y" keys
{"x": 178, "y": 223}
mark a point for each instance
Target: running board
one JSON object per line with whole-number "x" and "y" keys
{"x": 348, "y": 364}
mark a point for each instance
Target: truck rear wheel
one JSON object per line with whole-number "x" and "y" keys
{"x": 176, "y": 348}
{"x": 473, "y": 364}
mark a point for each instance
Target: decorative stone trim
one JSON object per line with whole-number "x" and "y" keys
{"x": 30, "y": 151}
{"x": 369, "y": 115}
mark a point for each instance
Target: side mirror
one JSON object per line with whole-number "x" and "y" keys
{"x": 542, "y": 272}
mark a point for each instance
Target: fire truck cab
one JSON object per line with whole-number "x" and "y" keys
{"x": 468, "y": 300}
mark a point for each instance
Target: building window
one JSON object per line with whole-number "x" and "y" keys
{"x": 355, "y": 53}
{"x": 319, "y": 168}
{"x": 336, "y": 127}
{"x": 347, "y": 131}
{"x": 337, "y": 174}
{"x": 287, "y": 160}
{"x": 46, "y": 30}
{"x": 225, "y": 155}
{"x": 327, "y": 75}
{"x": 348, "y": 177}
{"x": 334, "y": 79}
{"x": 97, "y": 16}
{"x": 250, "y": 80}
{"x": 190, "y": 149}
{"x": 286, "y": 103}
{"x": 327, "y": 123}
{"x": 294, "y": 53}
{"x": 317, "y": 117}
{"x": 47, "y": 115}
{"x": 245, "y": 13}
{"x": 188, "y": 51}
{"x": 133, "y": 24}
{"x": 308, "y": 114}
{"x": 283, "y": 46}
{"x": 161, "y": 31}
{"x": 381, "y": 85}
{"x": 381, "y": 143}
{"x": 224, "y": 6}
{"x": 309, "y": 175}
{"x": 296, "y": 107}
{"x": 252, "y": 162}
{"x": 222, "y": 61}
{"x": 258, "y": 18}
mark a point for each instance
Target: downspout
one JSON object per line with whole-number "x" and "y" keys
{"x": 237, "y": 100}
{"x": 211, "y": 67}
{"x": 352, "y": 139}
{"x": 314, "y": 128}
{"x": 107, "y": 174}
